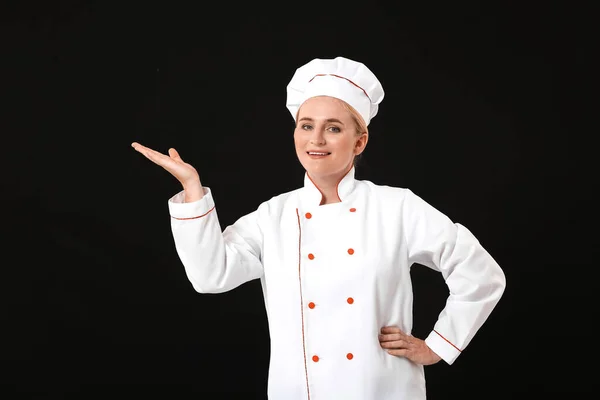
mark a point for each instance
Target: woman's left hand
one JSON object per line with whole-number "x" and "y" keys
{"x": 400, "y": 344}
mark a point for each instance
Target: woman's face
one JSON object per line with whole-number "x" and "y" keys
{"x": 326, "y": 137}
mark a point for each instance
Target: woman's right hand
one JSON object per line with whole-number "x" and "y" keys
{"x": 185, "y": 173}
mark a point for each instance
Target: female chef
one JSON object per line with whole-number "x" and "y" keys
{"x": 335, "y": 255}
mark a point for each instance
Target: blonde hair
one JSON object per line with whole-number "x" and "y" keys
{"x": 360, "y": 124}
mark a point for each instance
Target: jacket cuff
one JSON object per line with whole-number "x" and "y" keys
{"x": 442, "y": 347}
{"x": 178, "y": 209}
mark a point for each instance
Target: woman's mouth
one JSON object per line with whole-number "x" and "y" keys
{"x": 317, "y": 154}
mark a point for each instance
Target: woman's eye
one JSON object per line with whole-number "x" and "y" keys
{"x": 306, "y": 127}
{"x": 335, "y": 129}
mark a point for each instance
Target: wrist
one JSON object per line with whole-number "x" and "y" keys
{"x": 193, "y": 192}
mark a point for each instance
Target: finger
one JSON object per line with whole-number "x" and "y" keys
{"x": 137, "y": 146}
{"x": 143, "y": 149}
{"x": 396, "y": 344}
{"x": 391, "y": 337}
{"x": 140, "y": 148}
{"x": 399, "y": 352}
{"x": 391, "y": 329}
{"x": 155, "y": 156}
{"x": 174, "y": 154}
{"x": 146, "y": 150}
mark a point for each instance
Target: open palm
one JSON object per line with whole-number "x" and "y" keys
{"x": 185, "y": 173}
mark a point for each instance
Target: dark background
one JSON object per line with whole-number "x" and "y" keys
{"x": 483, "y": 101}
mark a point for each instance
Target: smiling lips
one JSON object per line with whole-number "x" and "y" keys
{"x": 318, "y": 154}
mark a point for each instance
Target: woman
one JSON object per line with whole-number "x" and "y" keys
{"x": 334, "y": 257}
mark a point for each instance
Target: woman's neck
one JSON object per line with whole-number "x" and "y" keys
{"x": 328, "y": 186}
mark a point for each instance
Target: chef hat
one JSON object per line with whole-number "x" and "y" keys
{"x": 341, "y": 78}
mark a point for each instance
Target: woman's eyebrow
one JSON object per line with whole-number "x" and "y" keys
{"x": 327, "y": 120}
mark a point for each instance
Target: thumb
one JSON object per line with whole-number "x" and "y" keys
{"x": 174, "y": 154}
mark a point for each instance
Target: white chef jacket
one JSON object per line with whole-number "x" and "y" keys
{"x": 333, "y": 275}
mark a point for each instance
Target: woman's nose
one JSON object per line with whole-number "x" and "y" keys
{"x": 317, "y": 137}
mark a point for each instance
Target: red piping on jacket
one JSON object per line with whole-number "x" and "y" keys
{"x": 449, "y": 342}
{"x": 302, "y": 301}
{"x": 199, "y": 216}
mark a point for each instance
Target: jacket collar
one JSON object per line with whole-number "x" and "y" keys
{"x": 313, "y": 195}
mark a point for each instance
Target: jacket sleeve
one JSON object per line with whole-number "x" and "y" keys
{"x": 474, "y": 279}
{"x": 215, "y": 261}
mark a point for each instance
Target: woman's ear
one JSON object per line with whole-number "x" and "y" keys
{"x": 361, "y": 143}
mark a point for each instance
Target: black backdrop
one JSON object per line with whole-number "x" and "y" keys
{"x": 96, "y": 303}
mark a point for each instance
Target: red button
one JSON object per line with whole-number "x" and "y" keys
{"x": 311, "y": 256}
{"x": 315, "y": 358}
{"x": 308, "y": 215}
{"x": 349, "y": 356}
{"x": 311, "y": 305}
{"x": 350, "y": 251}
{"x": 350, "y": 300}
{"x": 353, "y": 209}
